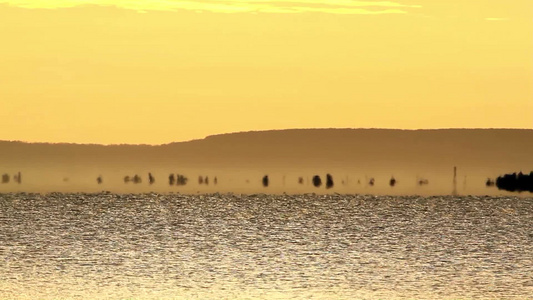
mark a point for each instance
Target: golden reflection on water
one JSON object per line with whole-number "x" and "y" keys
{"x": 90, "y": 291}
{"x": 107, "y": 246}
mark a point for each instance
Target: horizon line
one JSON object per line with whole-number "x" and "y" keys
{"x": 256, "y": 131}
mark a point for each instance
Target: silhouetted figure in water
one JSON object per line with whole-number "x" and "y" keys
{"x": 515, "y": 182}
{"x": 329, "y": 181}
{"x": 200, "y": 180}
{"x": 99, "y": 180}
{"x": 17, "y": 178}
{"x": 215, "y": 181}
{"x": 151, "y": 179}
{"x": 371, "y": 181}
{"x": 265, "y": 181}
{"x": 489, "y": 182}
{"x": 392, "y": 181}
{"x": 317, "y": 181}
{"x": 206, "y": 180}
{"x": 300, "y": 180}
{"x": 5, "y": 178}
{"x": 171, "y": 179}
{"x": 127, "y": 179}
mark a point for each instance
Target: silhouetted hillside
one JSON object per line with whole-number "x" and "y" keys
{"x": 299, "y": 147}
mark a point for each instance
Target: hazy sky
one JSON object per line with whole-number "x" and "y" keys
{"x": 145, "y": 71}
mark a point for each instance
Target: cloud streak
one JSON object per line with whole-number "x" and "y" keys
{"x": 496, "y": 19}
{"x": 232, "y": 6}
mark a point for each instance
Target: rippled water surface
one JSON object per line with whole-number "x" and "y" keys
{"x": 106, "y": 246}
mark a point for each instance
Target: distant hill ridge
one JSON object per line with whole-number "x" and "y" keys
{"x": 298, "y": 132}
{"x": 298, "y": 148}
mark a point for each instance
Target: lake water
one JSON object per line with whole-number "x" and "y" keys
{"x": 149, "y": 246}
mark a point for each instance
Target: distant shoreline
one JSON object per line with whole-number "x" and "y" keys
{"x": 290, "y": 157}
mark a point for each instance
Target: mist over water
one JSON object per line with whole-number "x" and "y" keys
{"x": 152, "y": 246}
{"x": 250, "y": 181}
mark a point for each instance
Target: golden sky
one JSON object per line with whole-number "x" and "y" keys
{"x": 102, "y": 71}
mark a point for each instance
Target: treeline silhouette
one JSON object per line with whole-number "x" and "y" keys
{"x": 6, "y": 178}
{"x": 203, "y": 180}
{"x": 317, "y": 181}
{"x": 178, "y": 179}
{"x": 173, "y": 179}
{"x": 136, "y": 179}
{"x": 516, "y": 182}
